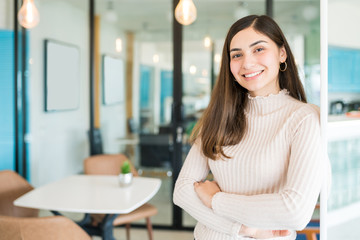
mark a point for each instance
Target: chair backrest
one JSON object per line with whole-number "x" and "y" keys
{"x": 42, "y": 228}
{"x": 12, "y": 186}
{"x": 105, "y": 164}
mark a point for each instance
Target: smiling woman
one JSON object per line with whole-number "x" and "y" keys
{"x": 255, "y": 62}
{"x": 259, "y": 138}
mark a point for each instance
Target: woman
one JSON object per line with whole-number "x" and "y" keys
{"x": 259, "y": 138}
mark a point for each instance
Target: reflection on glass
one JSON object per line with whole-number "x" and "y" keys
{"x": 145, "y": 45}
{"x": 344, "y": 156}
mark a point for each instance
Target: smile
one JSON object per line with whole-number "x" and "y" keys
{"x": 252, "y": 74}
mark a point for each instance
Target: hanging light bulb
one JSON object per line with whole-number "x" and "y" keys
{"x": 118, "y": 45}
{"x": 185, "y": 12}
{"x": 28, "y": 15}
{"x": 207, "y": 42}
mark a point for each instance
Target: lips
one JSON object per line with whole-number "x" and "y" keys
{"x": 252, "y": 74}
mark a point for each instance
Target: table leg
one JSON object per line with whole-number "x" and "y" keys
{"x": 107, "y": 227}
{"x": 85, "y": 221}
{"x": 56, "y": 213}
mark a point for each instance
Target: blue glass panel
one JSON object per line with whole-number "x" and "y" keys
{"x": 166, "y": 91}
{"x": 7, "y": 138}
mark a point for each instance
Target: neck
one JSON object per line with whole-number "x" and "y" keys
{"x": 262, "y": 105}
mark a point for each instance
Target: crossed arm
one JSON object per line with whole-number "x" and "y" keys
{"x": 194, "y": 196}
{"x": 206, "y": 190}
{"x": 232, "y": 213}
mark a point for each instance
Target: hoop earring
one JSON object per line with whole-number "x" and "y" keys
{"x": 285, "y": 67}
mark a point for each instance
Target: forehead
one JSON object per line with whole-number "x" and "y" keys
{"x": 244, "y": 38}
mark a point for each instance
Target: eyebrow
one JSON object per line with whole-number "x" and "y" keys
{"x": 251, "y": 45}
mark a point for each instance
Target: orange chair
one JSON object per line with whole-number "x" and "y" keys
{"x": 43, "y": 228}
{"x": 311, "y": 232}
{"x": 109, "y": 164}
{"x": 12, "y": 186}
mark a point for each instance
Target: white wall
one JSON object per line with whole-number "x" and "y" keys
{"x": 343, "y": 17}
{"x": 6, "y": 14}
{"x": 3, "y": 15}
{"x": 58, "y": 140}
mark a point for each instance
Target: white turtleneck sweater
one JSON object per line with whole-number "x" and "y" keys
{"x": 272, "y": 180}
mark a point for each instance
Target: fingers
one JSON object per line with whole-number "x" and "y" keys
{"x": 280, "y": 233}
{"x": 200, "y": 183}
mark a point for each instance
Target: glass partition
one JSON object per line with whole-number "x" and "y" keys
{"x": 139, "y": 123}
{"x": 144, "y": 47}
{"x": 344, "y": 122}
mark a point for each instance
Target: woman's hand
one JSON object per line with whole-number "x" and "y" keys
{"x": 206, "y": 190}
{"x": 261, "y": 233}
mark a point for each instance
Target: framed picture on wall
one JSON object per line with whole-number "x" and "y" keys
{"x": 62, "y": 76}
{"x": 113, "y": 80}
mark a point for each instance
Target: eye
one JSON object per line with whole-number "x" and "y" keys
{"x": 236, "y": 55}
{"x": 259, "y": 49}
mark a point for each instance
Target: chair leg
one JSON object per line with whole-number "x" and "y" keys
{"x": 127, "y": 231}
{"x": 149, "y": 228}
{"x": 313, "y": 236}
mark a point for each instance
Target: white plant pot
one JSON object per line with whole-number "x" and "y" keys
{"x": 125, "y": 179}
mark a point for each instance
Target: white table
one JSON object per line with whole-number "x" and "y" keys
{"x": 91, "y": 194}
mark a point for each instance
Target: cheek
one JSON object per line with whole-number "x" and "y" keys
{"x": 234, "y": 68}
{"x": 272, "y": 61}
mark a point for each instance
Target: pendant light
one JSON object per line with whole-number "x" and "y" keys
{"x": 185, "y": 12}
{"x": 28, "y": 15}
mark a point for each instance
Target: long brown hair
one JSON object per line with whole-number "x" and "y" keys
{"x": 223, "y": 122}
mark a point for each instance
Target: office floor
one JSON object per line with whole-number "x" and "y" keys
{"x": 141, "y": 234}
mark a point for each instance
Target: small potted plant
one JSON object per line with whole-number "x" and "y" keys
{"x": 125, "y": 176}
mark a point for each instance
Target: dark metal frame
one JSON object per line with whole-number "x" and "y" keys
{"x": 177, "y": 111}
{"x": 92, "y": 75}
{"x": 270, "y": 8}
{"x": 16, "y": 36}
{"x": 20, "y": 107}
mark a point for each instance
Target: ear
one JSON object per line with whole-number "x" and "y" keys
{"x": 283, "y": 54}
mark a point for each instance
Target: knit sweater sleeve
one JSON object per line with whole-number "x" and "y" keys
{"x": 292, "y": 207}
{"x": 196, "y": 169}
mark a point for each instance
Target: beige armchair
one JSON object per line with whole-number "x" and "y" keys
{"x": 44, "y": 228}
{"x": 12, "y": 186}
{"x": 105, "y": 164}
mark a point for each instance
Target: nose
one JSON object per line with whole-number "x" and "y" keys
{"x": 248, "y": 62}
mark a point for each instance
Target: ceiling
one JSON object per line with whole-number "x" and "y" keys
{"x": 214, "y": 17}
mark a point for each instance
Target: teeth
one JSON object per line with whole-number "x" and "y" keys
{"x": 252, "y": 74}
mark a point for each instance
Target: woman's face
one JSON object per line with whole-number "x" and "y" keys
{"x": 254, "y": 62}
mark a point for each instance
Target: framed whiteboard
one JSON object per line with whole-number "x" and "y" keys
{"x": 62, "y": 76}
{"x": 113, "y": 80}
